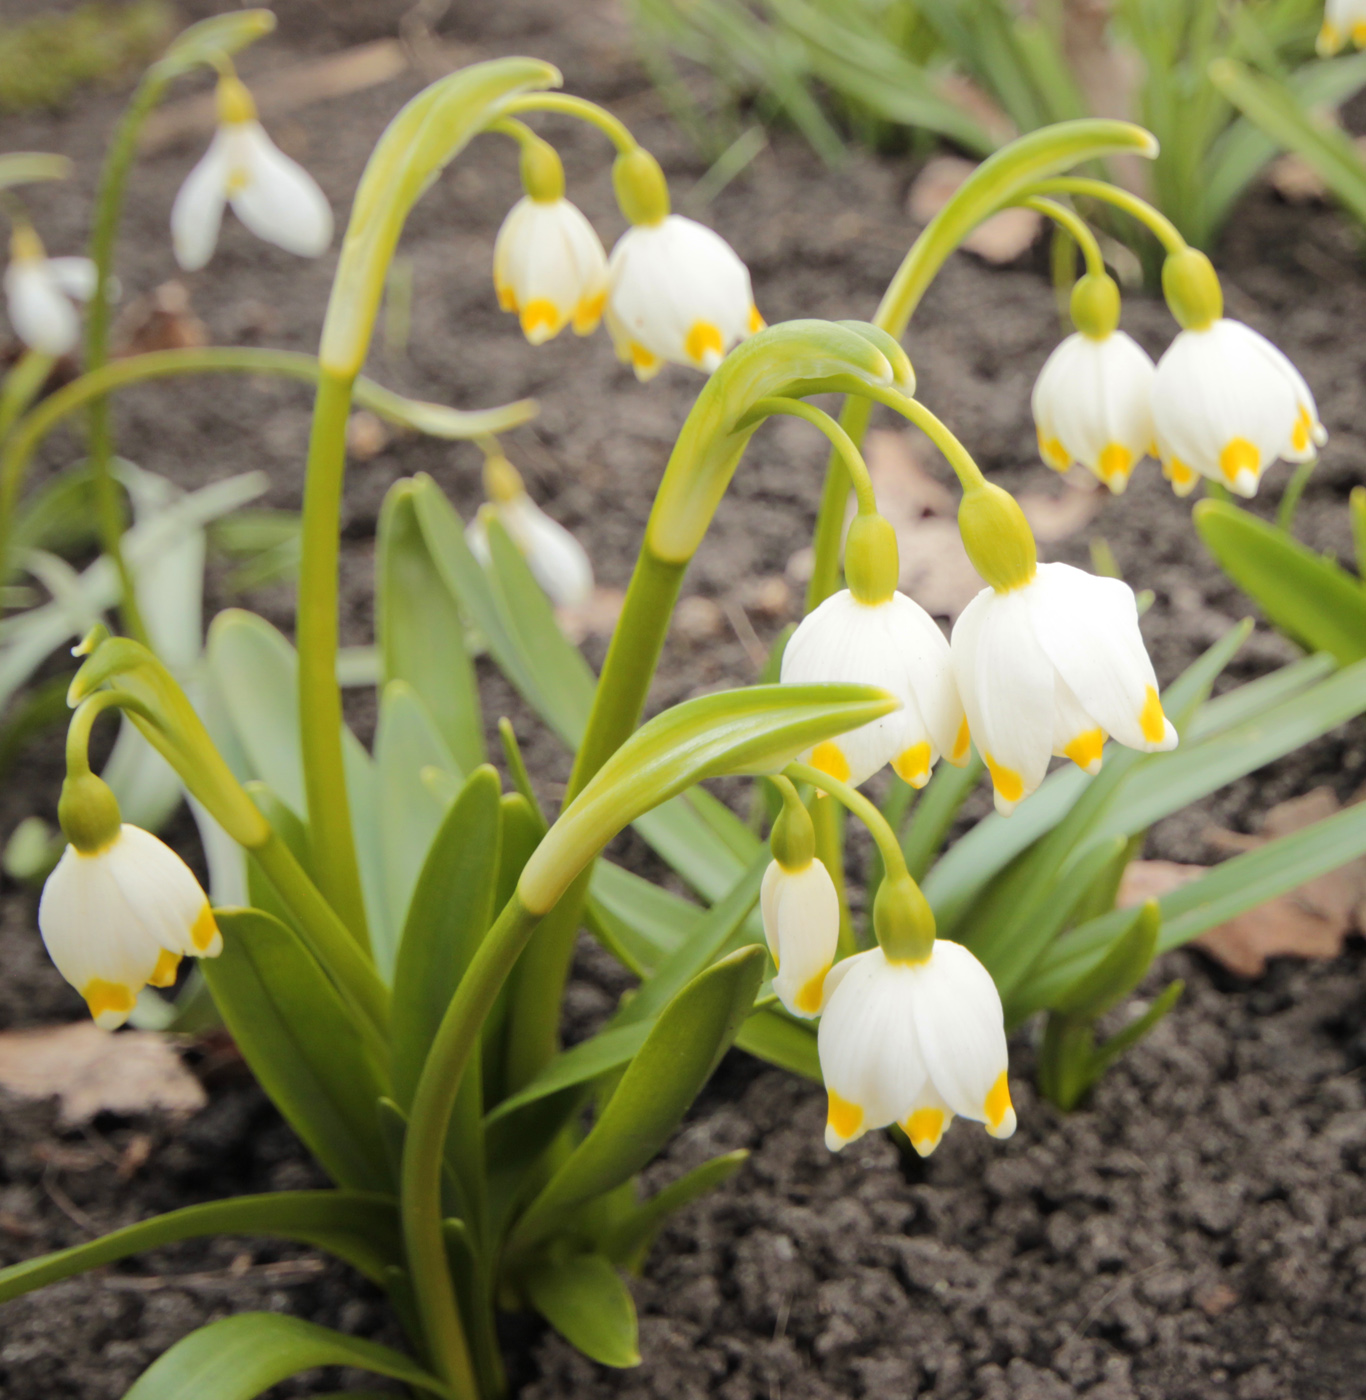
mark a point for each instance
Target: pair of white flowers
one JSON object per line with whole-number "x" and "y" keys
{"x": 1222, "y": 403}
{"x": 1052, "y": 667}
{"x": 672, "y": 290}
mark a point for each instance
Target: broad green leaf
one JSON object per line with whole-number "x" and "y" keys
{"x": 451, "y": 909}
{"x": 755, "y": 730}
{"x": 782, "y": 1041}
{"x": 1256, "y": 697}
{"x": 358, "y": 1226}
{"x": 419, "y": 630}
{"x": 238, "y": 1357}
{"x": 682, "y": 1049}
{"x": 628, "y": 1241}
{"x": 584, "y": 1299}
{"x": 580, "y": 1064}
{"x": 645, "y": 921}
{"x": 1311, "y": 598}
{"x": 406, "y": 745}
{"x": 707, "y": 859}
{"x": 301, "y": 1041}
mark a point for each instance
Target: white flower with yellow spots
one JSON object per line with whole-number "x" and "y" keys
{"x": 121, "y": 917}
{"x": 40, "y": 290}
{"x": 677, "y": 292}
{"x": 1054, "y": 666}
{"x": 896, "y": 646}
{"x": 913, "y": 1043}
{"x": 801, "y": 914}
{"x": 275, "y": 197}
{"x": 549, "y": 267}
{"x": 1342, "y": 20}
{"x": 1226, "y": 404}
{"x": 1093, "y": 404}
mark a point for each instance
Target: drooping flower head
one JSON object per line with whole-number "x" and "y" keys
{"x": 676, "y": 291}
{"x": 40, "y": 290}
{"x": 559, "y": 563}
{"x": 1092, "y": 401}
{"x": 1226, "y": 402}
{"x": 274, "y": 196}
{"x": 1049, "y": 660}
{"x": 1342, "y": 20}
{"x": 873, "y": 635}
{"x": 548, "y": 261}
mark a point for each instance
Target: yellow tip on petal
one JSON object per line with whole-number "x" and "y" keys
{"x": 1085, "y": 750}
{"x": 204, "y": 934}
{"x": 163, "y": 975}
{"x": 541, "y": 320}
{"x": 1239, "y": 456}
{"x": 645, "y": 363}
{"x": 829, "y": 758}
{"x": 588, "y": 313}
{"x": 1359, "y": 34}
{"x": 925, "y": 1128}
{"x": 1053, "y": 452}
{"x": 703, "y": 341}
{"x": 1007, "y": 782}
{"x": 842, "y": 1122}
{"x": 999, "y": 1114}
{"x": 1182, "y": 477}
{"x": 1329, "y": 40}
{"x": 808, "y": 999}
{"x": 1303, "y": 430}
{"x": 110, "y": 1003}
{"x": 1114, "y": 465}
{"x": 913, "y": 764}
{"x": 961, "y": 743}
{"x": 507, "y": 298}
{"x": 756, "y": 322}
{"x": 1151, "y": 720}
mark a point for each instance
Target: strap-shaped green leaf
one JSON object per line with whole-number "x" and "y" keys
{"x": 237, "y": 1358}
{"x": 360, "y": 1227}
{"x": 629, "y": 1240}
{"x": 32, "y": 167}
{"x": 645, "y": 922}
{"x": 584, "y": 1299}
{"x": 419, "y": 630}
{"x": 301, "y": 1042}
{"x": 782, "y": 1041}
{"x": 1313, "y": 599}
{"x": 685, "y": 1045}
{"x": 1119, "y": 971}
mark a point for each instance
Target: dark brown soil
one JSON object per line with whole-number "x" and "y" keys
{"x": 1196, "y": 1232}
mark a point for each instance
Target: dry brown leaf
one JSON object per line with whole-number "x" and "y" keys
{"x": 162, "y": 320}
{"x": 90, "y": 1071}
{"x": 999, "y": 239}
{"x": 595, "y": 618}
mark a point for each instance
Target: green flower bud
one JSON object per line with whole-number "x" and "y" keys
{"x": 89, "y": 812}
{"x": 793, "y": 838}
{"x": 542, "y": 171}
{"x": 1095, "y": 305}
{"x": 502, "y": 481}
{"x": 642, "y": 192}
{"x": 1191, "y": 286}
{"x": 903, "y": 920}
{"x": 235, "y": 103}
{"x": 872, "y": 563}
{"x": 997, "y": 537}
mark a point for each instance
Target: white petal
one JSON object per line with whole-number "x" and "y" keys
{"x": 163, "y": 890}
{"x": 75, "y": 276}
{"x": 559, "y": 562}
{"x": 801, "y": 912}
{"x": 39, "y": 311}
{"x": 1006, "y": 683}
{"x": 278, "y": 200}
{"x": 198, "y": 209}
{"x": 549, "y": 265}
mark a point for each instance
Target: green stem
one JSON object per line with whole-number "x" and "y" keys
{"x": 1294, "y": 490}
{"x": 83, "y": 721}
{"x": 828, "y": 820}
{"x": 1162, "y": 227}
{"x": 424, "y": 1144}
{"x": 893, "y": 862}
{"x": 967, "y": 471}
{"x": 1070, "y": 220}
{"x": 20, "y": 387}
{"x": 843, "y": 444}
{"x": 320, "y": 708}
{"x": 566, "y": 103}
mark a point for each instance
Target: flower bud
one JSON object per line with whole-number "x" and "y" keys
{"x": 1191, "y": 286}
{"x": 997, "y": 537}
{"x": 903, "y": 920}
{"x": 872, "y": 563}
{"x": 1095, "y": 305}
{"x": 89, "y": 812}
{"x": 641, "y": 190}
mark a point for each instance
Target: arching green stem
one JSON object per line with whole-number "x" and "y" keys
{"x": 967, "y": 471}
{"x": 889, "y": 848}
{"x": 567, "y": 104}
{"x": 839, "y": 440}
{"x": 1162, "y": 227}
{"x": 1070, "y": 220}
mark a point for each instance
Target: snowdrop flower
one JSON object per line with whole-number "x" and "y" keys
{"x": 549, "y": 266}
{"x": 801, "y": 914}
{"x": 1342, "y": 19}
{"x": 558, "y": 562}
{"x": 1226, "y": 402}
{"x": 913, "y": 1042}
{"x": 1054, "y": 665}
{"x": 1093, "y": 399}
{"x": 120, "y": 916}
{"x": 39, "y": 291}
{"x": 277, "y": 199}
{"x": 869, "y": 634}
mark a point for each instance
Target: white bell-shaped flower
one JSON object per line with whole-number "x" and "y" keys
{"x": 1343, "y": 20}
{"x": 1054, "y": 667}
{"x": 801, "y": 914}
{"x": 39, "y": 292}
{"x": 913, "y": 1043}
{"x": 1093, "y": 404}
{"x": 549, "y": 266}
{"x": 120, "y": 918}
{"x": 558, "y": 562}
{"x": 677, "y": 292}
{"x": 896, "y": 646}
{"x": 274, "y": 196}
{"x": 1226, "y": 404}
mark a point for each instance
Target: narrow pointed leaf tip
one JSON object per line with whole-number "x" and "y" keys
{"x": 756, "y": 730}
